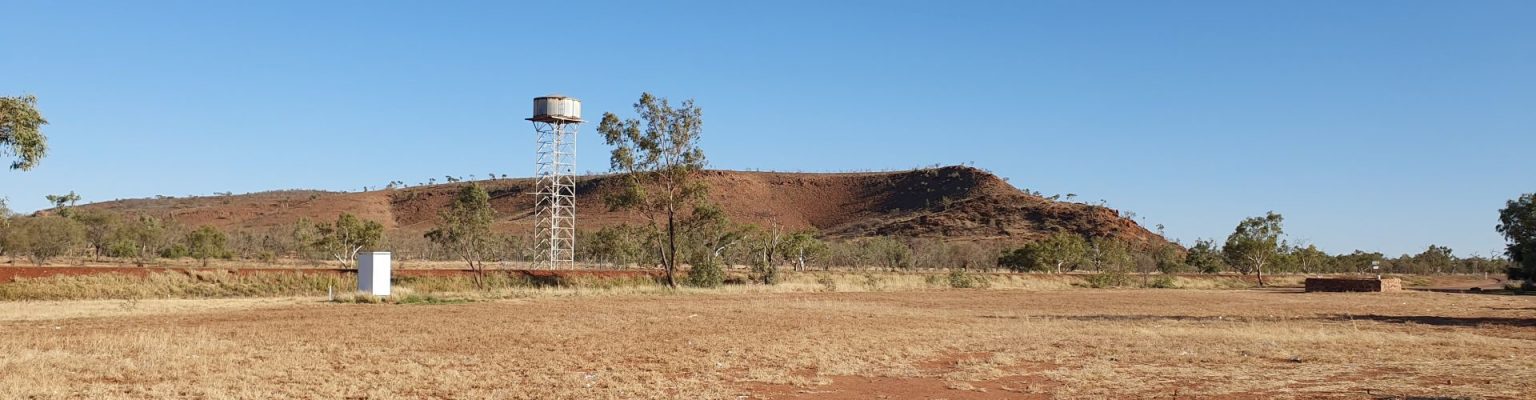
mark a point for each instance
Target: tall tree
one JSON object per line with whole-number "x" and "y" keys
{"x": 1309, "y": 259}
{"x": 1205, "y": 257}
{"x": 660, "y": 159}
{"x": 1254, "y": 243}
{"x": 800, "y": 247}
{"x": 5, "y": 226}
{"x": 1169, "y": 259}
{"x": 1517, "y": 221}
{"x": 349, "y": 235}
{"x": 21, "y": 133}
{"x": 1110, "y": 255}
{"x": 62, "y": 201}
{"x": 140, "y": 239}
{"x": 206, "y": 243}
{"x": 1435, "y": 259}
{"x": 464, "y": 228}
{"x": 1358, "y": 261}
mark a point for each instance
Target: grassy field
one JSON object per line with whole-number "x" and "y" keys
{"x": 998, "y": 343}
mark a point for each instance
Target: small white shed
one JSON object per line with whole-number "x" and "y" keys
{"x": 373, "y": 273}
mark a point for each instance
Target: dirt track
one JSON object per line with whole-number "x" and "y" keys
{"x": 937, "y": 344}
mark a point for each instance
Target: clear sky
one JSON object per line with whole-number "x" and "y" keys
{"x": 1379, "y": 125}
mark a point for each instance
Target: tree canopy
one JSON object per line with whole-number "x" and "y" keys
{"x": 349, "y": 235}
{"x": 1517, "y": 221}
{"x": 21, "y": 133}
{"x": 1055, "y": 252}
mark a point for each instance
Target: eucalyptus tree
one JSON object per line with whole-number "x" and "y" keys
{"x": 660, "y": 163}
{"x": 464, "y": 229}
{"x": 1517, "y": 221}
{"x": 802, "y": 246}
{"x": 1254, "y": 243}
{"x": 1054, "y": 253}
{"x": 349, "y": 235}
{"x": 21, "y": 133}
{"x": 206, "y": 243}
{"x": 1205, "y": 257}
{"x": 45, "y": 237}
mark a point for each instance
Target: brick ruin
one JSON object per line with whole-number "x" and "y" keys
{"x": 1354, "y": 284}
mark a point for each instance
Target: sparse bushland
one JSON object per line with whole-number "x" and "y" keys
{"x": 496, "y": 285}
{"x": 43, "y": 238}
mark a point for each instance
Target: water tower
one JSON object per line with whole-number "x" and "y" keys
{"x": 556, "y": 118}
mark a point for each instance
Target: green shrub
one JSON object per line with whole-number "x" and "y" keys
{"x": 122, "y": 249}
{"x": 174, "y": 251}
{"x": 766, "y": 274}
{"x": 1108, "y": 280}
{"x": 706, "y": 275}
{"x": 1163, "y": 282}
{"x": 827, "y": 283}
{"x": 959, "y": 279}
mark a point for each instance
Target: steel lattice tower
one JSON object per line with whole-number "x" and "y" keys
{"x": 554, "y": 214}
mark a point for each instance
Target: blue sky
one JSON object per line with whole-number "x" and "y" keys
{"x": 1379, "y": 125}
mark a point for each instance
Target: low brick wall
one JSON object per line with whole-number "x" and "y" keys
{"x": 1354, "y": 285}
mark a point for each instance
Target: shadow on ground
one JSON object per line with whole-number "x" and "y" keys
{"x": 1441, "y": 320}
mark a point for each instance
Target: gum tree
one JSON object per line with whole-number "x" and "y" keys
{"x": 465, "y": 228}
{"x": 1054, "y": 253}
{"x": 21, "y": 133}
{"x": 205, "y": 243}
{"x": 1517, "y": 221}
{"x": 660, "y": 162}
{"x": 1254, "y": 243}
{"x": 349, "y": 235}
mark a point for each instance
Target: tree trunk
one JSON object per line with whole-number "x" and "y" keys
{"x": 670, "y": 260}
{"x": 1259, "y": 269}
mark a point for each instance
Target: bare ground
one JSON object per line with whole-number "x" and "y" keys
{"x": 956, "y": 344}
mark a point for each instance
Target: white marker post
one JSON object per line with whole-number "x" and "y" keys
{"x": 373, "y": 273}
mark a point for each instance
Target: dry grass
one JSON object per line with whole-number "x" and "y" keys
{"x": 70, "y": 309}
{"x": 694, "y": 344}
{"x": 192, "y": 284}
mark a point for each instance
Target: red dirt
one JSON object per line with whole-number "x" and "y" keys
{"x": 10, "y": 274}
{"x": 954, "y": 203}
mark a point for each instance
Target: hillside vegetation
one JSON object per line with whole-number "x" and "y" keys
{"x": 954, "y": 203}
